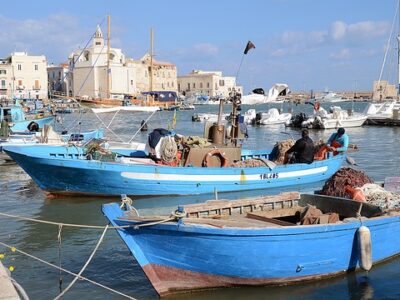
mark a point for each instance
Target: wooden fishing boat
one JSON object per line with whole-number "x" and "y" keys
{"x": 220, "y": 165}
{"x": 261, "y": 241}
{"x": 70, "y": 169}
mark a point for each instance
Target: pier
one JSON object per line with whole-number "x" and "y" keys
{"x": 7, "y": 290}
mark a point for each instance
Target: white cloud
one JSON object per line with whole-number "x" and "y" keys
{"x": 206, "y": 49}
{"x": 341, "y": 55}
{"x": 358, "y": 31}
{"x": 338, "y": 30}
{"x": 54, "y": 36}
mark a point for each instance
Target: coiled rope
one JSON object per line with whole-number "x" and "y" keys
{"x": 168, "y": 149}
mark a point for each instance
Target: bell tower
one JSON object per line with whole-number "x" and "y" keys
{"x": 98, "y": 39}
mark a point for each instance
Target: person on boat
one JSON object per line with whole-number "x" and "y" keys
{"x": 303, "y": 149}
{"x": 338, "y": 141}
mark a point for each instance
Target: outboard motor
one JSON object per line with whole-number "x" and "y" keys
{"x": 258, "y": 118}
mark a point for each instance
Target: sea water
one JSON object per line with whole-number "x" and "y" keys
{"x": 115, "y": 267}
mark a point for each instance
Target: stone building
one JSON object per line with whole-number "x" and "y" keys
{"x": 382, "y": 90}
{"x": 23, "y": 76}
{"x": 164, "y": 75}
{"x": 209, "y": 83}
{"x": 58, "y": 80}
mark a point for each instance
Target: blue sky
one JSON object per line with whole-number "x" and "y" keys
{"x": 309, "y": 44}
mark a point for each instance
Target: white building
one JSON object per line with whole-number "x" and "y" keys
{"x": 88, "y": 71}
{"x": 23, "y": 76}
{"x": 210, "y": 83}
{"x": 58, "y": 80}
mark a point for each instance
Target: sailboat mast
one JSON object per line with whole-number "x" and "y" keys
{"x": 151, "y": 58}
{"x": 108, "y": 55}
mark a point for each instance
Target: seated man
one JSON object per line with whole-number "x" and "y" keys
{"x": 303, "y": 149}
{"x": 338, "y": 141}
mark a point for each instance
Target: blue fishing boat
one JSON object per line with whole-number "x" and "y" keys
{"x": 170, "y": 165}
{"x": 72, "y": 170}
{"x": 18, "y": 121}
{"x": 268, "y": 240}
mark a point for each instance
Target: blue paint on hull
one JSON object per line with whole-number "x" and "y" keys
{"x": 64, "y": 169}
{"x": 284, "y": 254}
{"x": 22, "y": 126}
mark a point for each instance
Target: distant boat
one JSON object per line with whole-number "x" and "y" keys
{"x": 18, "y": 121}
{"x": 256, "y": 241}
{"x": 338, "y": 117}
{"x": 330, "y": 97}
{"x": 273, "y": 117}
{"x": 381, "y": 112}
{"x": 258, "y": 96}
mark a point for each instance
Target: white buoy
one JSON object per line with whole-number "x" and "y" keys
{"x": 365, "y": 247}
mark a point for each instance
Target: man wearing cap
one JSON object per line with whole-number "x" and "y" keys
{"x": 338, "y": 141}
{"x": 303, "y": 149}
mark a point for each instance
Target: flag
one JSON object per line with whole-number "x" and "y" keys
{"x": 249, "y": 46}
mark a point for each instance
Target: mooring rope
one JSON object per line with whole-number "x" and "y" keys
{"x": 84, "y": 266}
{"x": 66, "y": 271}
{"x": 173, "y": 216}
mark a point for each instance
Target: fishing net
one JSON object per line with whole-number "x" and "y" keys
{"x": 95, "y": 151}
{"x": 377, "y": 195}
{"x": 336, "y": 185}
{"x": 279, "y": 150}
{"x": 249, "y": 163}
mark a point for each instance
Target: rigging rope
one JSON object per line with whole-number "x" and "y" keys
{"x": 84, "y": 266}
{"x": 66, "y": 271}
{"x": 388, "y": 43}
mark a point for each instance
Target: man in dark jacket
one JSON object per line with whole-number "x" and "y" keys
{"x": 303, "y": 149}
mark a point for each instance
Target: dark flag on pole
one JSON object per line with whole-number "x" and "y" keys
{"x": 249, "y": 46}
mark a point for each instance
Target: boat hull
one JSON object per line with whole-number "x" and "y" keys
{"x": 347, "y": 123}
{"x": 22, "y": 126}
{"x": 178, "y": 256}
{"x": 64, "y": 169}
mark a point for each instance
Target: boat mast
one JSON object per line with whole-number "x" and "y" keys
{"x": 151, "y": 58}
{"x": 108, "y": 55}
{"x": 398, "y": 65}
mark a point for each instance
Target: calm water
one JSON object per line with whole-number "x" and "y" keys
{"x": 115, "y": 267}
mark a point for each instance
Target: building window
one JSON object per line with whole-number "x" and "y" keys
{"x": 3, "y": 72}
{"x": 221, "y": 82}
{"x": 208, "y": 85}
{"x": 3, "y": 84}
{"x": 37, "y": 85}
{"x": 36, "y": 67}
{"x": 146, "y": 74}
{"x": 188, "y": 87}
{"x": 19, "y": 67}
{"x": 201, "y": 85}
{"x": 216, "y": 86}
{"x": 194, "y": 85}
{"x": 162, "y": 85}
{"x": 98, "y": 43}
{"x": 131, "y": 82}
{"x": 179, "y": 86}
